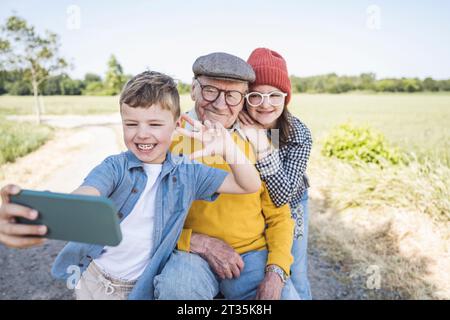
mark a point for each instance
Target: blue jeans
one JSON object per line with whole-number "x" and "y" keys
{"x": 187, "y": 276}
{"x": 299, "y": 269}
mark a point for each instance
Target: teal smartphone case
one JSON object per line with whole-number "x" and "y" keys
{"x": 72, "y": 217}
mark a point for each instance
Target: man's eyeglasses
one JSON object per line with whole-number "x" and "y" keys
{"x": 275, "y": 98}
{"x": 211, "y": 94}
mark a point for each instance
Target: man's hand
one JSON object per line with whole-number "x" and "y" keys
{"x": 270, "y": 288}
{"x": 222, "y": 258}
{"x": 16, "y": 235}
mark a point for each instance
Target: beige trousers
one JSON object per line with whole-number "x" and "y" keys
{"x": 96, "y": 285}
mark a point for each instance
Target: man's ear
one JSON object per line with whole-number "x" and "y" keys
{"x": 193, "y": 86}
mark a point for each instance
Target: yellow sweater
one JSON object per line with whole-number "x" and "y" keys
{"x": 246, "y": 222}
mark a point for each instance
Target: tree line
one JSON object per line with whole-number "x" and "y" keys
{"x": 332, "y": 83}
{"x": 15, "y": 83}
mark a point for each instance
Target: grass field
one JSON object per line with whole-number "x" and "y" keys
{"x": 19, "y": 140}
{"x": 418, "y": 122}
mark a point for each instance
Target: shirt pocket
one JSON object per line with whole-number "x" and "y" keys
{"x": 177, "y": 196}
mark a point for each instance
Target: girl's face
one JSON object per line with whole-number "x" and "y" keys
{"x": 266, "y": 114}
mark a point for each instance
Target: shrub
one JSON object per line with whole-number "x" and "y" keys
{"x": 360, "y": 144}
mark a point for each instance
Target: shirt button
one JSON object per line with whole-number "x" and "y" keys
{"x": 174, "y": 179}
{"x": 134, "y": 190}
{"x": 120, "y": 215}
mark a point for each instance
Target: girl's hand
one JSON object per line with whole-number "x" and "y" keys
{"x": 256, "y": 134}
{"x": 215, "y": 138}
{"x": 245, "y": 118}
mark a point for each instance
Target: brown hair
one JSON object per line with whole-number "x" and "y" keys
{"x": 149, "y": 88}
{"x": 284, "y": 124}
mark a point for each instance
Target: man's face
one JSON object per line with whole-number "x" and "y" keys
{"x": 217, "y": 111}
{"x": 147, "y": 132}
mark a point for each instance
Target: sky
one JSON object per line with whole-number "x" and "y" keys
{"x": 390, "y": 38}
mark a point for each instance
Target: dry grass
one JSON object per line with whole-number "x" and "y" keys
{"x": 396, "y": 219}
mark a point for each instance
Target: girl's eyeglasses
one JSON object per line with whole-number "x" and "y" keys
{"x": 275, "y": 98}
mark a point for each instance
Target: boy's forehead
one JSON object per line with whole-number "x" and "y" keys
{"x": 144, "y": 113}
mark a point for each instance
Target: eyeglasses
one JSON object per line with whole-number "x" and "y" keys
{"x": 275, "y": 98}
{"x": 211, "y": 94}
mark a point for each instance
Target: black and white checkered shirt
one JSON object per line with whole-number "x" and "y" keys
{"x": 283, "y": 170}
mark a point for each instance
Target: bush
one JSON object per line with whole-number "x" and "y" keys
{"x": 360, "y": 144}
{"x": 19, "y": 139}
{"x": 94, "y": 89}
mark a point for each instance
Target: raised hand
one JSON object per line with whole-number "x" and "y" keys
{"x": 215, "y": 138}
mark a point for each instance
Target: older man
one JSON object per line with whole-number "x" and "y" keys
{"x": 238, "y": 245}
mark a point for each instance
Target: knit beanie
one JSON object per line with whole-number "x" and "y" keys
{"x": 270, "y": 69}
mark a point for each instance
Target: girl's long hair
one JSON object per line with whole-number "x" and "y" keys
{"x": 284, "y": 124}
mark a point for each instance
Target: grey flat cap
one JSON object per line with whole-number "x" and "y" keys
{"x": 222, "y": 65}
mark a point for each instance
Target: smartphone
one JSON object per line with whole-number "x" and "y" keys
{"x": 70, "y": 217}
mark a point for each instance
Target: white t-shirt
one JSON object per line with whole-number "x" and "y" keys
{"x": 128, "y": 260}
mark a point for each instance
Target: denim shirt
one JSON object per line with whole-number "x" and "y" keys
{"x": 122, "y": 179}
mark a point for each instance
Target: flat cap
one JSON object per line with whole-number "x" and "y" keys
{"x": 222, "y": 65}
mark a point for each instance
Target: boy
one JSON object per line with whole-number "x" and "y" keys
{"x": 151, "y": 188}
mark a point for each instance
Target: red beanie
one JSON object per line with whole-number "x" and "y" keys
{"x": 270, "y": 69}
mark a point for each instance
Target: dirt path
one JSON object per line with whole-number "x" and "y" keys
{"x": 59, "y": 166}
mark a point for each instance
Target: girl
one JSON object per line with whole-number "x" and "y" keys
{"x": 281, "y": 160}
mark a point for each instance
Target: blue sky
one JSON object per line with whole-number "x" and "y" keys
{"x": 391, "y": 38}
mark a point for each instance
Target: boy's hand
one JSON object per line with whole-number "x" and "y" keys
{"x": 16, "y": 235}
{"x": 215, "y": 138}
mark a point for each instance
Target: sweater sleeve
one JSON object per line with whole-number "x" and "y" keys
{"x": 279, "y": 232}
{"x": 184, "y": 242}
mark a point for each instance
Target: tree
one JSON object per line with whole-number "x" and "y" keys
{"x": 115, "y": 78}
{"x": 430, "y": 84}
{"x": 21, "y": 47}
{"x": 92, "y": 77}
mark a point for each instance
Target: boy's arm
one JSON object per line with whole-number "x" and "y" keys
{"x": 244, "y": 178}
{"x": 102, "y": 180}
{"x": 87, "y": 191}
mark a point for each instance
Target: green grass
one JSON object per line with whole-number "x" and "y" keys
{"x": 415, "y": 122}
{"x": 411, "y": 120}
{"x": 19, "y": 139}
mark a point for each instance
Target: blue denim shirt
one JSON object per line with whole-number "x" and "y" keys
{"x": 122, "y": 179}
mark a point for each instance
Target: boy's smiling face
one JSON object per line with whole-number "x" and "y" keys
{"x": 148, "y": 132}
